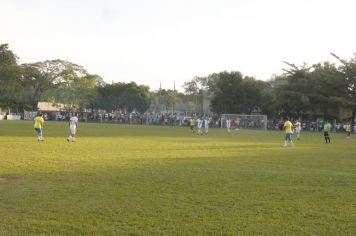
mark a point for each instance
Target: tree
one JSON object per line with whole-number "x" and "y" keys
{"x": 251, "y": 94}
{"x": 310, "y": 90}
{"x": 348, "y": 69}
{"x": 68, "y": 83}
{"x": 198, "y": 87}
{"x": 330, "y": 90}
{"x": 122, "y": 96}
{"x": 23, "y": 86}
{"x": 87, "y": 88}
{"x": 37, "y": 84}
{"x": 7, "y": 57}
{"x": 135, "y": 97}
{"x": 167, "y": 98}
{"x": 11, "y": 91}
{"x": 293, "y": 91}
{"x": 267, "y": 97}
{"x": 233, "y": 93}
{"x": 143, "y": 101}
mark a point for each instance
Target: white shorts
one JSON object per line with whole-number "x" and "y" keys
{"x": 73, "y": 129}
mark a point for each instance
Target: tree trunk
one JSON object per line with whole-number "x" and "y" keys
{"x": 34, "y": 106}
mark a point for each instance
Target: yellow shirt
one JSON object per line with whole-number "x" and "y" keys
{"x": 192, "y": 122}
{"x": 288, "y": 126}
{"x": 38, "y": 122}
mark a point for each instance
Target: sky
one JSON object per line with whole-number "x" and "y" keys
{"x": 162, "y": 42}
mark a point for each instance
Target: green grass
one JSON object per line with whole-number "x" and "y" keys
{"x": 137, "y": 180}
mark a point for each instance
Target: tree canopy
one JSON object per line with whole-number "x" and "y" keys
{"x": 323, "y": 89}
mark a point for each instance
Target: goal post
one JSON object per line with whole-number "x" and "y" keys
{"x": 245, "y": 121}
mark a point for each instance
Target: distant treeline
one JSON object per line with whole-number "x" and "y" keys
{"x": 321, "y": 90}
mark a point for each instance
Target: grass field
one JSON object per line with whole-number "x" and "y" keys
{"x": 137, "y": 180}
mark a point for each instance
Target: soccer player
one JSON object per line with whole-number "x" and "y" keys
{"x": 298, "y": 128}
{"x": 228, "y": 124}
{"x": 327, "y": 128}
{"x": 73, "y": 126}
{"x": 206, "y": 125}
{"x": 38, "y": 125}
{"x": 199, "y": 125}
{"x": 288, "y": 127}
{"x": 192, "y": 124}
{"x": 348, "y": 129}
{"x": 232, "y": 122}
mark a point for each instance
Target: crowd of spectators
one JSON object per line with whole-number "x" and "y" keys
{"x": 182, "y": 119}
{"x": 310, "y": 125}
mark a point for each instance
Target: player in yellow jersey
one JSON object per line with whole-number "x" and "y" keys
{"x": 192, "y": 124}
{"x": 38, "y": 125}
{"x": 288, "y": 127}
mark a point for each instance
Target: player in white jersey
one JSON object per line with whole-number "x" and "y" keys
{"x": 73, "y": 126}
{"x": 199, "y": 125}
{"x": 298, "y": 128}
{"x": 228, "y": 124}
{"x": 206, "y": 125}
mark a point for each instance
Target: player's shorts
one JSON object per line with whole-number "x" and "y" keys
{"x": 288, "y": 137}
{"x": 326, "y": 134}
{"x": 38, "y": 130}
{"x": 297, "y": 130}
{"x": 192, "y": 126}
{"x": 73, "y": 130}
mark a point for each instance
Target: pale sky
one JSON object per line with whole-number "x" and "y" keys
{"x": 153, "y": 41}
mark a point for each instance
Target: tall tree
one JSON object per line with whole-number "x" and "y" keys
{"x": 198, "y": 87}
{"x": 124, "y": 96}
{"x": 293, "y": 91}
{"x": 233, "y": 93}
{"x": 11, "y": 91}
{"x": 135, "y": 97}
{"x": 7, "y": 57}
{"x": 348, "y": 68}
{"x": 37, "y": 84}
{"x": 330, "y": 90}
{"x": 68, "y": 83}
{"x": 317, "y": 90}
